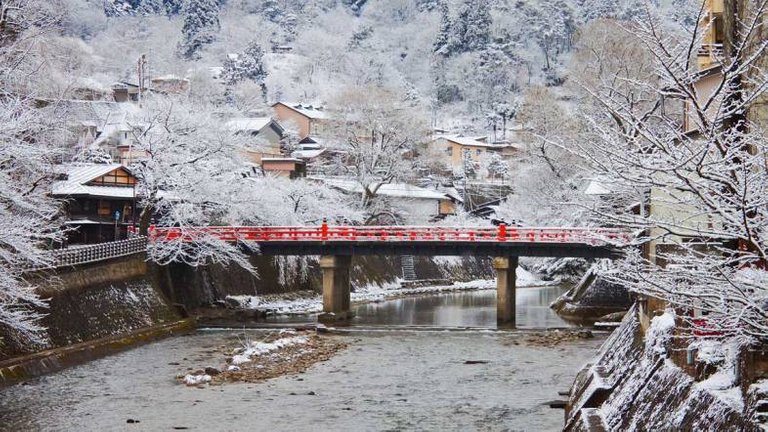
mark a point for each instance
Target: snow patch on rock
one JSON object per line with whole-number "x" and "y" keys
{"x": 193, "y": 380}
{"x": 256, "y": 349}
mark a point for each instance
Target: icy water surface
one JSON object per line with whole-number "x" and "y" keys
{"x": 385, "y": 381}
{"x": 389, "y": 379}
{"x": 463, "y": 309}
{"x": 456, "y": 309}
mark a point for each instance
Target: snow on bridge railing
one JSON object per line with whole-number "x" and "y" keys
{"x": 85, "y": 254}
{"x": 325, "y": 233}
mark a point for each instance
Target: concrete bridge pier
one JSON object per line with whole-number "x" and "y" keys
{"x": 336, "y": 288}
{"x": 506, "y": 291}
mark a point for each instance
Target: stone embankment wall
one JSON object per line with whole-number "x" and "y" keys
{"x": 637, "y": 383}
{"x": 93, "y": 309}
{"x": 203, "y": 286}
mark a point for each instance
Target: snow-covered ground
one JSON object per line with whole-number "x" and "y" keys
{"x": 372, "y": 293}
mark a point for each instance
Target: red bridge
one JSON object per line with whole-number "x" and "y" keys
{"x": 405, "y": 240}
{"x": 337, "y": 245}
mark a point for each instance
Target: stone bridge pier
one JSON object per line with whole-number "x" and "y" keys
{"x": 336, "y": 290}
{"x": 506, "y": 291}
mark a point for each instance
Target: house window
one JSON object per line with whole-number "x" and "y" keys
{"x": 479, "y": 152}
{"x": 105, "y": 208}
{"x": 115, "y": 178}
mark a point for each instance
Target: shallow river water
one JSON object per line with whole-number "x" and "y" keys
{"x": 389, "y": 379}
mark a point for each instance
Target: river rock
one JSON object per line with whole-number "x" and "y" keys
{"x": 212, "y": 371}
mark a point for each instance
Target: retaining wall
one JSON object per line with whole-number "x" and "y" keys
{"x": 633, "y": 385}
{"x": 93, "y": 309}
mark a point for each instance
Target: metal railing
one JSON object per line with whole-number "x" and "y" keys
{"x": 77, "y": 255}
{"x": 325, "y": 233}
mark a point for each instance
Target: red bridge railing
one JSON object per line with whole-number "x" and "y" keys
{"x": 325, "y": 233}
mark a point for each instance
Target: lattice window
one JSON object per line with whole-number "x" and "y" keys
{"x": 117, "y": 177}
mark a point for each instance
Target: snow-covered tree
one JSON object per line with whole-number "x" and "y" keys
{"x": 201, "y": 26}
{"x": 495, "y": 166}
{"x": 596, "y": 9}
{"x": 288, "y": 202}
{"x": 376, "y": 130}
{"x": 249, "y": 65}
{"x": 707, "y": 230}
{"x": 27, "y": 151}
{"x": 443, "y": 44}
{"x": 93, "y": 154}
{"x": 472, "y": 27}
{"x": 192, "y": 171}
{"x": 552, "y": 26}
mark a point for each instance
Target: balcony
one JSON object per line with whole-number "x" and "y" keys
{"x": 709, "y": 55}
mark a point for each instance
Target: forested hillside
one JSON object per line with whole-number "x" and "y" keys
{"x": 468, "y": 61}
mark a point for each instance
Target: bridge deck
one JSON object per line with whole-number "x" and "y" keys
{"x": 393, "y": 240}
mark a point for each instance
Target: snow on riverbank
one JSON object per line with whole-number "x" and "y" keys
{"x": 255, "y": 349}
{"x": 374, "y": 293}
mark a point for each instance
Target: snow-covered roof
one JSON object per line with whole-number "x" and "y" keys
{"x": 89, "y": 112}
{"x": 453, "y": 193}
{"x": 249, "y": 123}
{"x": 394, "y": 190}
{"x": 598, "y": 186}
{"x": 169, "y": 77}
{"x": 78, "y": 175}
{"x": 308, "y": 154}
{"x": 313, "y": 111}
{"x": 472, "y": 142}
{"x": 281, "y": 159}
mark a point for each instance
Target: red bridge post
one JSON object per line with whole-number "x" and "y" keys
{"x": 324, "y": 230}
{"x": 502, "y": 232}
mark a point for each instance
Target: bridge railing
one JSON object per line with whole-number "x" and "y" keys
{"x": 325, "y": 233}
{"x": 85, "y": 254}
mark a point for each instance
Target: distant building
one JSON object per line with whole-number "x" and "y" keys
{"x": 99, "y": 201}
{"x": 415, "y": 204}
{"x": 459, "y": 148}
{"x": 110, "y": 126}
{"x": 125, "y": 92}
{"x": 291, "y": 168}
{"x": 310, "y": 120}
{"x": 170, "y": 84}
{"x": 711, "y": 50}
{"x": 266, "y": 134}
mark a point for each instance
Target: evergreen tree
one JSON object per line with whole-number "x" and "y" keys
{"x": 443, "y": 42}
{"x": 249, "y": 65}
{"x": 201, "y": 23}
{"x": 173, "y": 7}
{"x": 596, "y": 9}
{"x": 473, "y": 25}
{"x": 150, "y": 7}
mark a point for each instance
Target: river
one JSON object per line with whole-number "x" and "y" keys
{"x": 404, "y": 370}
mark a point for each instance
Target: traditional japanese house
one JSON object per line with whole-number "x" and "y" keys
{"x": 100, "y": 201}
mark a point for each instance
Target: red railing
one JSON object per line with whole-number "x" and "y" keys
{"x": 325, "y": 233}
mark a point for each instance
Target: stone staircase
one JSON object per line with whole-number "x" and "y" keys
{"x": 409, "y": 272}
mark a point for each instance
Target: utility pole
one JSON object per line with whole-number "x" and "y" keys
{"x": 141, "y": 69}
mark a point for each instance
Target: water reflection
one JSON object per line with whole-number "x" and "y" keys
{"x": 462, "y": 309}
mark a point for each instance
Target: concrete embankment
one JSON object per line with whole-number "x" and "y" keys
{"x": 642, "y": 380}
{"x": 94, "y": 309}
